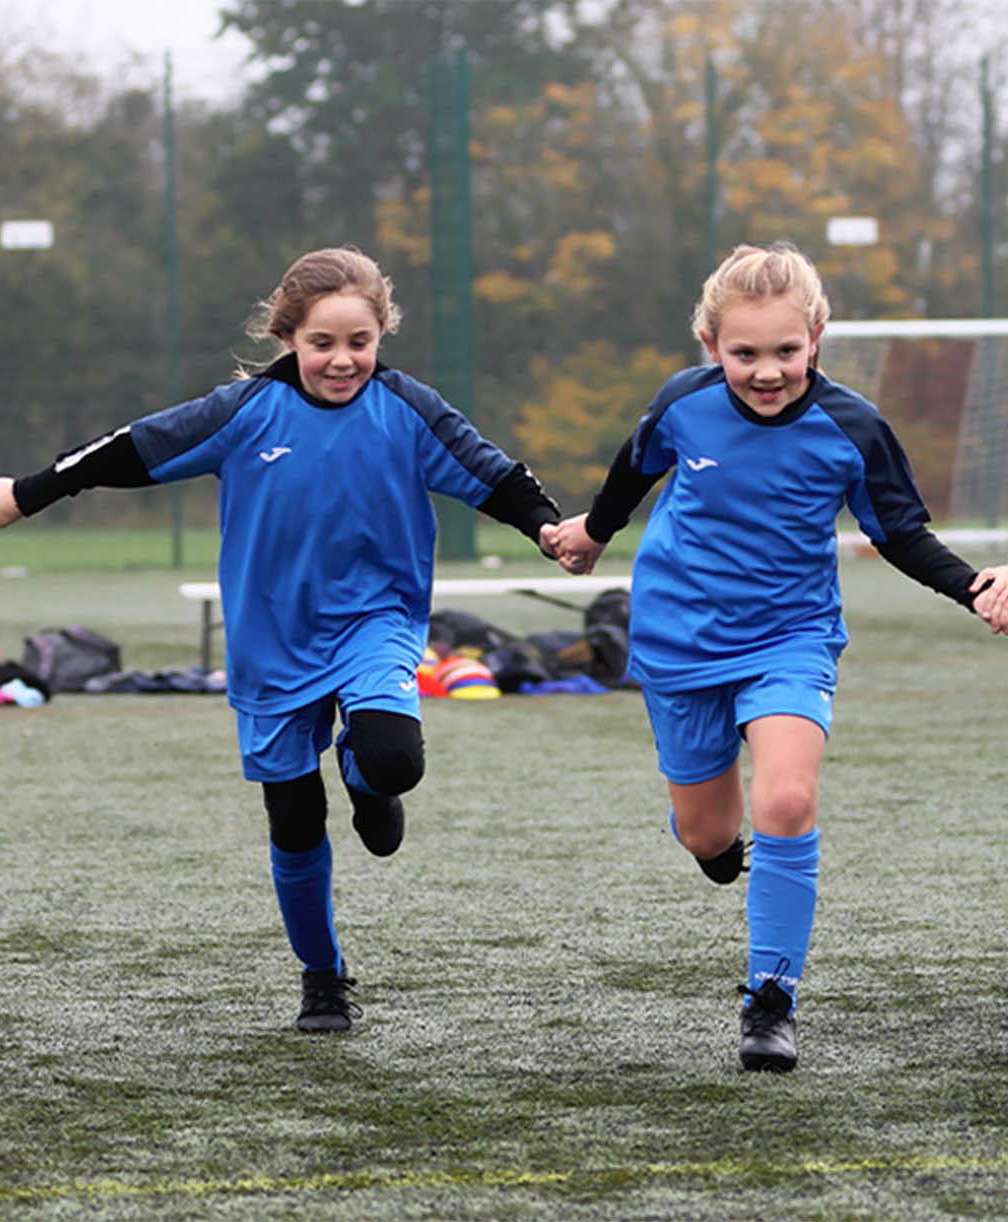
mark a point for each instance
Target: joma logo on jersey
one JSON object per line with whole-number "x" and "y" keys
{"x": 701, "y": 464}
{"x": 274, "y": 454}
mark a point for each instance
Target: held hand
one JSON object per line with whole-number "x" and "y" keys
{"x": 992, "y": 604}
{"x": 547, "y": 539}
{"x": 9, "y": 511}
{"x": 576, "y": 550}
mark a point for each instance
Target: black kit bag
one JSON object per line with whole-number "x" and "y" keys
{"x": 65, "y": 658}
{"x": 607, "y": 631}
{"x": 456, "y": 630}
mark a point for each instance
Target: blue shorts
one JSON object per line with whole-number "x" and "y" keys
{"x": 699, "y": 733}
{"x": 379, "y": 673}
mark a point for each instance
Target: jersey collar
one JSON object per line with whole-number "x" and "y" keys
{"x": 285, "y": 369}
{"x": 790, "y": 413}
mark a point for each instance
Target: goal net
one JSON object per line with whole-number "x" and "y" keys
{"x": 943, "y": 385}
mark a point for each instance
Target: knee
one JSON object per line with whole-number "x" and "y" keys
{"x": 788, "y": 809}
{"x": 706, "y": 842}
{"x": 296, "y": 811}
{"x": 388, "y": 748}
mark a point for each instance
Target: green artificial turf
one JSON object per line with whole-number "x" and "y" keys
{"x": 548, "y": 982}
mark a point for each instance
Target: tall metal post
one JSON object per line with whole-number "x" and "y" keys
{"x": 993, "y": 430}
{"x": 171, "y": 320}
{"x": 452, "y": 267}
{"x": 987, "y": 191}
{"x": 711, "y": 143}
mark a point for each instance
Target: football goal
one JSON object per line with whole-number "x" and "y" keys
{"x": 943, "y": 385}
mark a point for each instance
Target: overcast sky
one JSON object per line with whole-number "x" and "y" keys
{"x": 130, "y": 37}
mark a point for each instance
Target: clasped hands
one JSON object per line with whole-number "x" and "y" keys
{"x": 571, "y": 545}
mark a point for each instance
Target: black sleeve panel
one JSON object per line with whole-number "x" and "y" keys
{"x": 110, "y": 461}
{"x": 519, "y": 500}
{"x": 923, "y": 556}
{"x": 624, "y": 489}
{"x": 888, "y": 504}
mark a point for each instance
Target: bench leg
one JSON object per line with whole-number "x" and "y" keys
{"x": 206, "y": 635}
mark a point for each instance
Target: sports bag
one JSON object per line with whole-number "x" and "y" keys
{"x": 65, "y": 658}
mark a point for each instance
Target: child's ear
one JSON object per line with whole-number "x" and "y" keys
{"x": 814, "y": 335}
{"x": 709, "y": 341}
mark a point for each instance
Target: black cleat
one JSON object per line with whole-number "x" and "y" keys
{"x": 378, "y": 820}
{"x": 727, "y": 866}
{"x": 325, "y": 1006}
{"x": 769, "y": 1036}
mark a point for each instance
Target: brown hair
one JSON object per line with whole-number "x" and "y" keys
{"x": 333, "y": 269}
{"x": 756, "y": 272}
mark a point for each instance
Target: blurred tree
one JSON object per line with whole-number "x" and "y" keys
{"x": 583, "y": 409}
{"x": 591, "y": 212}
{"x": 80, "y": 333}
{"x": 816, "y": 134}
{"x": 347, "y": 84}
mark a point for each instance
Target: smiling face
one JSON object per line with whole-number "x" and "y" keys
{"x": 765, "y": 347}
{"x": 337, "y": 346}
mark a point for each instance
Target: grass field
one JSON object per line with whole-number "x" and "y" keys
{"x": 37, "y": 547}
{"x": 550, "y": 1021}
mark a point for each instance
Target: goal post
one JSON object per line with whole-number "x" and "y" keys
{"x": 943, "y": 385}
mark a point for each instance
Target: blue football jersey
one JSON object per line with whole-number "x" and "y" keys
{"x": 737, "y": 568}
{"x": 325, "y": 516}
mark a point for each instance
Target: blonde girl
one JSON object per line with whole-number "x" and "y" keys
{"x": 736, "y": 623}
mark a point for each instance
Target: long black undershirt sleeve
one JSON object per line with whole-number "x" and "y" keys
{"x": 922, "y": 556}
{"x": 519, "y": 501}
{"x": 110, "y": 461}
{"x": 619, "y": 496}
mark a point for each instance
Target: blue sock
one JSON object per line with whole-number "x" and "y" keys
{"x": 303, "y": 883}
{"x": 349, "y": 771}
{"x": 783, "y": 885}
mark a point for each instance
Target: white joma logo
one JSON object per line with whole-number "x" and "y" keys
{"x": 698, "y": 464}
{"x": 274, "y": 454}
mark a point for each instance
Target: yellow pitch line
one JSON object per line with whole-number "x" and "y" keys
{"x": 360, "y": 1180}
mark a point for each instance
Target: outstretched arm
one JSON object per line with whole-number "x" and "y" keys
{"x": 922, "y": 556}
{"x": 519, "y": 500}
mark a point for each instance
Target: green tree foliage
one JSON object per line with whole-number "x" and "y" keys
{"x": 590, "y": 180}
{"x": 347, "y": 83}
{"x": 79, "y": 318}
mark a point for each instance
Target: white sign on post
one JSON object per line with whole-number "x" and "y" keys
{"x": 26, "y": 235}
{"x": 852, "y": 231}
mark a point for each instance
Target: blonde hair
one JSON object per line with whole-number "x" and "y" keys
{"x": 333, "y": 269}
{"x": 753, "y": 273}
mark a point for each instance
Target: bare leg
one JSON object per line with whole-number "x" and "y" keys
{"x": 709, "y": 814}
{"x": 786, "y": 754}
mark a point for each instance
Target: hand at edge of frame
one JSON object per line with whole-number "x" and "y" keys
{"x": 992, "y": 603}
{"x": 9, "y": 512}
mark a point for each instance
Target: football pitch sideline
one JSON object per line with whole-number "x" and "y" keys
{"x": 548, "y": 982}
